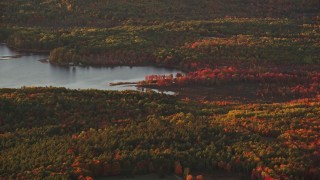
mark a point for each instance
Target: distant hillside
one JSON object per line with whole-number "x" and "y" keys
{"x": 144, "y": 32}
{"x": 108, "y": 13}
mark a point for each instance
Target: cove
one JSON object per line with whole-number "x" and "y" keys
{"x": 18, "y": 70}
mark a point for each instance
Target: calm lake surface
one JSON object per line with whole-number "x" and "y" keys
{"x": 17, "y": 70}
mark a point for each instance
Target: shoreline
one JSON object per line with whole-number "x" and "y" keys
{"x": 242, "y": 92}
{"x": 27, "y": 50}
{"x": 123, "y": 83}
{"x": 94, "y": 64}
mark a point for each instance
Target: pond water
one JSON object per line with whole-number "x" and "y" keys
{"x": 17, "y": 70}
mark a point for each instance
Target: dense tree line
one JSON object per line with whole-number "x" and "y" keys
{"x": 113, "y": 12}
{"x": 221, "y": 41}
{"x": 151, "y": 32}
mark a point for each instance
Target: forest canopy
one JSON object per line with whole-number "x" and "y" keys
{"x": 269, "y": 48}
{"x": 60, "y": 133}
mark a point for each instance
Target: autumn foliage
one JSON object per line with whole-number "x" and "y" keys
{"x": 273, "y": 81}
{"x": 272, "y": 46}
{"x": 165, "y": 135}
